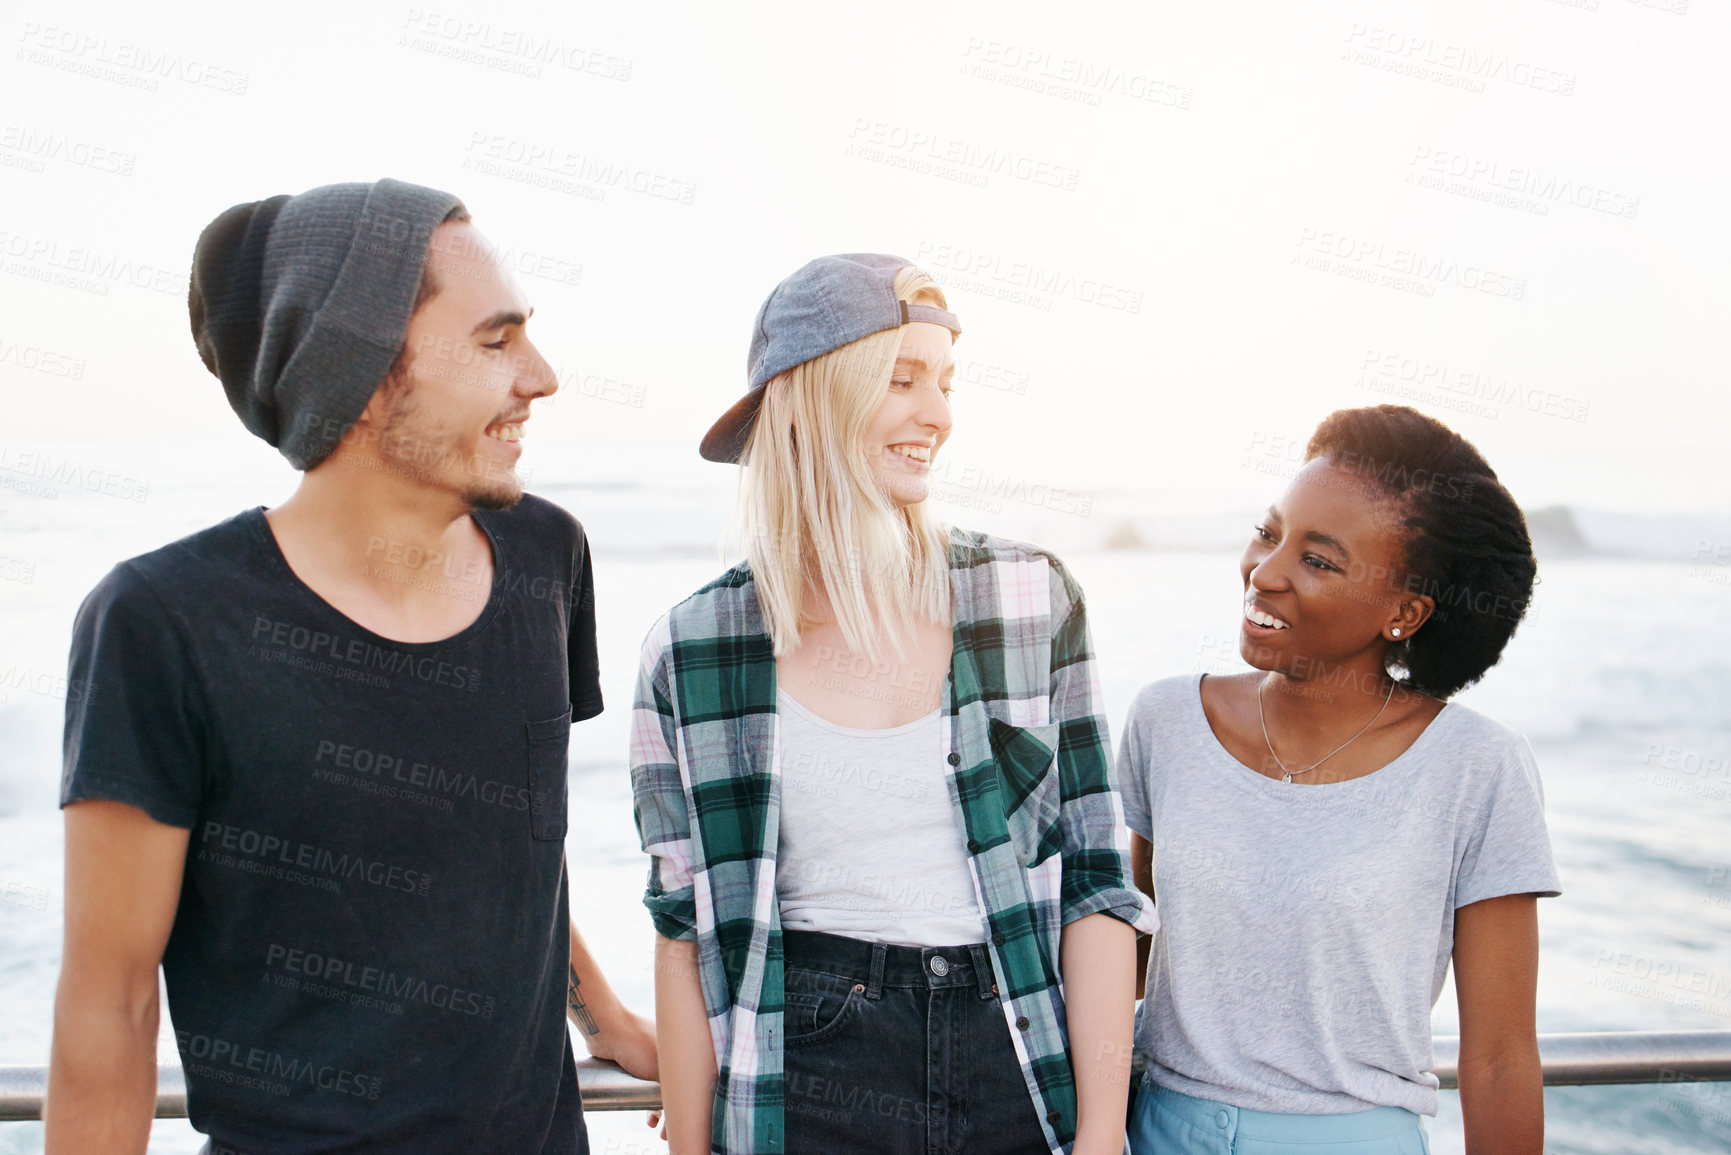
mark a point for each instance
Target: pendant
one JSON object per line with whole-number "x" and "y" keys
{"x": 1286, "y": 777}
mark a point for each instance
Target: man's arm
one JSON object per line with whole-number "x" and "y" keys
{"x": 1496, "y": 959}
{"x": 610, "y": 1030}
{"x": 123, "y": 875}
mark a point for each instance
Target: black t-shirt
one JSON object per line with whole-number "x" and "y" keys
{"x": 371, "y": 947}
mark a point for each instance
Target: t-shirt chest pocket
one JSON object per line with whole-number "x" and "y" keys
{"x": 1026, "y": 758}
{"x": 549, "y": 753}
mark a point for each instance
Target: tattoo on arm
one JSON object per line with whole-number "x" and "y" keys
{"x": 578, "y": 1009}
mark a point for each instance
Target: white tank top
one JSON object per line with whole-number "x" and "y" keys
{"x": 871, "y": 846}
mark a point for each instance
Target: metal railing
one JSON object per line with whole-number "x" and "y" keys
{"x": 1568, "y": 1061}
{"x": 605, "y": 1088}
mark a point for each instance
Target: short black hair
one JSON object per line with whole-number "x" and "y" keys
{"x": 1466, "y": 546}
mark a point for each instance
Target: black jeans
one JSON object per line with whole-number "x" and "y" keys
{"x": 900, "y": 1049}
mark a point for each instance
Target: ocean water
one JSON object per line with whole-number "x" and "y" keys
{"x": 1620, "y": 678}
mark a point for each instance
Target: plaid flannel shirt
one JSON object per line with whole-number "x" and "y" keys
{"x": 1030, "y": 781}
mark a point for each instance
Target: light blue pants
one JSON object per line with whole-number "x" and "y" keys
{"x": 1167, "y": 1123}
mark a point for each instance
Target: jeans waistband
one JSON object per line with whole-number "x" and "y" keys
{"x": 878, "y": 965}
{"x": 1208, "y": 1116}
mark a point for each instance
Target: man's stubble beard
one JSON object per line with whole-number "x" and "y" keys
{"x": 423, "y": 454}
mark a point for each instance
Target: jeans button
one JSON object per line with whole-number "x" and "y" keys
{"x": 939, "y": 966}
{"x": 1222, "y": 1118}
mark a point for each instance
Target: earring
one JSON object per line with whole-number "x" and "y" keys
{"x": 1395, "y": 631}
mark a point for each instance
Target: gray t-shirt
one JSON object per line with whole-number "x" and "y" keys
{"x": 1305, "y": 931}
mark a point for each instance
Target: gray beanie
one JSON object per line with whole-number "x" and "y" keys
{"x": 300, "y": 304}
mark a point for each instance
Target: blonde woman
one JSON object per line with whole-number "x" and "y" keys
{"x": 872, "y": 774}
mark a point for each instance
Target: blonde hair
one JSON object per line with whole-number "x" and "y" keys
{"x": 812, "y": 512}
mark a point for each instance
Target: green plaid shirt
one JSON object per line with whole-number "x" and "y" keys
{"x": 1030, "y": 781}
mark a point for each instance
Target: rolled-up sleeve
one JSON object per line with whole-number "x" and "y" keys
{"x": 1096, "y": 844}
{"x": 659, "y": 798}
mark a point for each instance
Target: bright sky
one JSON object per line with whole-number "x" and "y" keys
{"x": 1176, "y": 234}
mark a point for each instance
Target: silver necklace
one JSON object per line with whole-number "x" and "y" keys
{"x": 1285, "y": 774}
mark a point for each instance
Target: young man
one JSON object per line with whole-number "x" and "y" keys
{"x": 321, "y": 777}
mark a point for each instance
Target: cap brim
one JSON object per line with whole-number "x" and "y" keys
{"x": 725, "y": 441}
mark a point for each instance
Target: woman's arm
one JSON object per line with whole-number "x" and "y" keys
{"x": 687, "y": 1051}
{"x": 1142, "y": 873}
{"x": 1101, "y": 912}
{"x": 1496, "y": 959}
{"x": 1098, "y": 958}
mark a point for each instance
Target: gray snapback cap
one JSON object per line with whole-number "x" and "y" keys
{"x": 828, "y": 303}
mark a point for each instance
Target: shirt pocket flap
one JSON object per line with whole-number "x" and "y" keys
{"x": 1026, "y": 758}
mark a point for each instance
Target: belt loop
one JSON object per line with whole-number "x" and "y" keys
{"x": 982, "y": 969}
{"x": 875, "y": 984}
